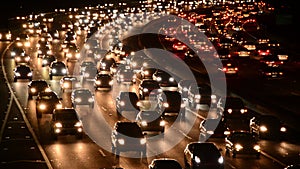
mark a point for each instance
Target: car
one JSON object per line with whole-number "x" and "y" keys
{"x": 262, "y": 51}
{"x": 271, "y": 72}
{"x": 293, "y": 166}
{"x": 151, "y": 121}
{"x": 249, "y": 45}
{"x": 127, "y": 101}
{"x": 86, "y": 63}
{"x": 46, "y": 102}
{"x": 82, "y": 96}
{"x": 72, "y": 53}
{"x": 5, "y": 34}
{"x": 164, "y": 163}
{"x": 232, "y": 107}
{"x": 241, "y": 142}
{"x": 66, "y": 122}
{"x": 179, "y": 46}
{"x": 203, "y": 155}
{"x": 268, "y": 127}
{"x": 48, "y": 59}
{"x": 105, "y": 63}
{"x": 36, "y": 86}
{"x": 128, "y": 136}
{"x": 46, "y": 36}
{"x": 241, "y": 52}
{"x": 16, "y": 51}
{"x": 124, "y": 75}
{"x": 213, "y": 128}
{"x": 147, "y": 72}
{"x": 69, "y": 82}
{"x": 271, "y": 60}
{"x": 230, "y": 68}
{"x": 57, "y": 68}
{"x": 22, "y": 40}
{"x": 103, "y": 81}
{"x": 44, "y": 48}
{"x": 200, "y": 94}
{"x": 171, "y": 103}
{"x": 23, "y": 58}
{"x": 165, "y": 79}
{"x": 88, "y": 73}
{"x": 281, "y": 53}
{"x": 22, "y": 72}
{"x": 148, "y": 87}
{"x": 223, "y": 53}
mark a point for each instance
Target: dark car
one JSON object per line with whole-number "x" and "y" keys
{"x": 203, "y": 155}
{"x": 127, "y": 101}
{"x": 66, "y": 122}
{"x": 124, "y": 75}
{"x": 103, "y": 81}
{"x": 223, "y": 53}
{"x": 105, "y": 63}
{"x": 271, "y": 72}
{"x": 147, "y": 72}
{"x": 22, "y": 72}
{"x": 242, "y": 142}
{"x": 148, "y": 87}
{"x": 151, "y": 121}
{"x": 171, "y": 103}
{"x": 37, "y": 86}
{"x": 229, "y": 67}
{"x": 164, "y": 163}
{"x": 212, "y": 128}
{"x": 233, "y": 107}
{"x": 47, "y": 60}
{"x": 44, "y": 49}
{"x": 200, "y": 94}
{"x": 58, "y": 68}
{"x": 69, "y": 83}
{"x": 72, "y": 53}
{"x": 46, "y": 102}
{"x": 271, "y": 60}
{"x": 16, "y": 51}
{"x": 23, "y": 58}
{"x": 268, "y": 127}
{"x": 164, "y": 79}
{"x": 89, "y": 72}
{"x": 82, "y": 96}
{"x": 128, "y": 136}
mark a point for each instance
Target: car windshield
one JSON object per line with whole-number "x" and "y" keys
{"x": 130, "y": 130}
{"x": 167, "y": 164}
{"x": 149, "y": 116}
{"x": 48, "y": 96}
{"x": 206, "y": 151}
{"x": 79, "y": 92}
{"x": 234, "y": 102}
{"x": 242, "y": 137}
{"x": 66, "y": 115}
{"x": 150, "y": 84}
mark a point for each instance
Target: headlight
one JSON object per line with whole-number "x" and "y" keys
{"x": 58, "y": 124}
{"x": 78, "y": 124}
{"x": 91, "y": 100}
{"x": 221, "y": 160}
{"x": 166, "y": 105}
{"x": 197, "y": 96}
{"x": 226, "y": 132}
{"x": 18, "y": 74}
{"x": 243, "y": 111}
{"x": 210, "y": 132}
{"x": 78, "y": 100}
{"x": 33, "y": 90}
{"x": 229, "y": 111}
{"x": 238, "y": 147}
{"x": 283, "y": 129}
{"x": 121, "y": 141}
{"x": 59, "y": 106}
{"x": 42, "y": 106}
{"x": 29, "y": 74}
{"x": 111, "y": 82}
{"x": 143, "y": 141}
{"x": 162, "y": 123}
{"x": 213, "y": 96}
{"x": 197, "y": 159}
{"x": 263, "y": 128}
{"x": 256, "y": 147}
{"x": 122, "y": 103}
{"x": 64, "y": 71}
{"x": 145, "y": 90}
{"x": 144, "y": 123}
{"x": 66, "y": 85}
{"x": 171, "y": 79}
{"x": 54, "y": 70}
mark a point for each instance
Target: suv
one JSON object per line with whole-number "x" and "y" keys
{"x": 46, "y": 102}
{"x": 127, "y": 101}
{"x": 37, "y": 86}
{"x": 66, "y": 122}
{"x": 128, "y": 136}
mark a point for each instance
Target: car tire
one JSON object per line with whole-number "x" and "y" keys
{"x": 15, "y": 79}
{"x": 50, "y": 77}
{"x": 258, "y": 156}
{"x": 233, "y": 155}
{"x": 29, "y": 97}
{"x": 38, "y": 114}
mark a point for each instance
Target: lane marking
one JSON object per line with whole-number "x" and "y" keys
{"x": 273, "y": 158}
{"x": 102, "y": 153}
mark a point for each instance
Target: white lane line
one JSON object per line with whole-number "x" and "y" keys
{"x": 102, "y": 153}
{"x": 273, "y": 158}
{"x": 103, "y": 108}
{"x": 230, "y": 165}
{"x": 185, "y": 135}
